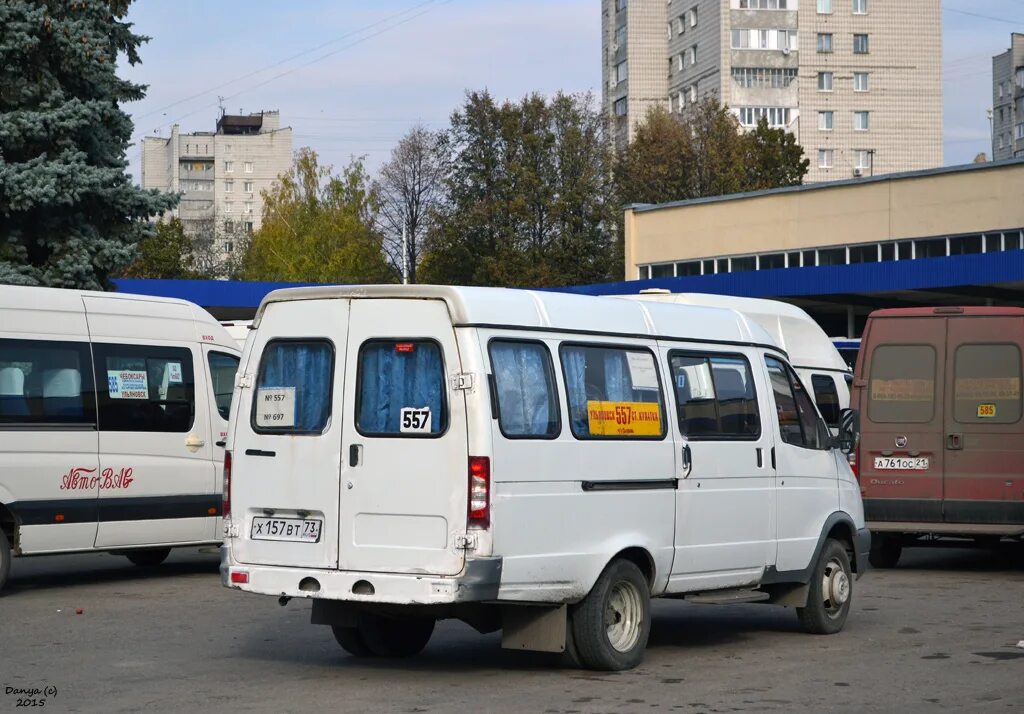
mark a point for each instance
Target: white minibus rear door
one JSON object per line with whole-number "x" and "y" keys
{"x": 286, "y": 447}
{"x": 405, "y": 472}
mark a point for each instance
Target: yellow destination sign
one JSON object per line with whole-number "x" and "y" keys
{"x": 624, "y": 418}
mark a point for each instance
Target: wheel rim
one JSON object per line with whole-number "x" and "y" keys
{"x": 624, "y": 616}
{"x": 835, "y": 587}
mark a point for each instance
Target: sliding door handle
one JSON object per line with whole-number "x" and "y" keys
{"x": 687, "y": 461}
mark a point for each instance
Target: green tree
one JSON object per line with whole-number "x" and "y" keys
{"x": 529, "y": 199}
{"x": 773, "y": 158}
{"x": 656, "y": 166}
{"x": 318, "y": 227}
{"x": 69, "y": 213}
{"x": 165, "y": 254}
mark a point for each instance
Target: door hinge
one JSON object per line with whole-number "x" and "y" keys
{"x": 462, "y": 380}
{"x": 466, "y": 541}
{"x": 244, "y": 381}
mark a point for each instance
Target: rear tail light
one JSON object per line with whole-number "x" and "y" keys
{"x": 226, "y": 507}
{"x": 852, "y": 458}
{"x": 479, "y": 491}
{"x": 239, "y": 577}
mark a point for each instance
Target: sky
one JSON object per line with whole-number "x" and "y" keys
{"x": 352, "y": 76}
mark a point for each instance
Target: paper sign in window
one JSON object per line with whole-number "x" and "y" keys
{"x": 624, "y": 418}
{"x": 127, "y": 384}
{"x": 415, "y": 420}
{"x": 174, "y": 373}
{"x": 641, "y": 370}
{"x": 275, "y": 407}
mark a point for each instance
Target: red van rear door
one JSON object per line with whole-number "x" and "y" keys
{"x": 984, "y": 461}
{"x": 901, "y": 452}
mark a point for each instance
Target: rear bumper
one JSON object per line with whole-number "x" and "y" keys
{"x": 479, "y": 581}
{"x": 862, "y": 549}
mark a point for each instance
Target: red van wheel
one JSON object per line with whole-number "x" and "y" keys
{"x": 886, "y": 549}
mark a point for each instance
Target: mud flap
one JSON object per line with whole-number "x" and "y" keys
{"x": 533, "y": 627}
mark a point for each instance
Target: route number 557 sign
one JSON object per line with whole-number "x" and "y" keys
{"x": 275, "y": 407}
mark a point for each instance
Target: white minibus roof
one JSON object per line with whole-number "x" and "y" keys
{"x": 554, "y": 311}
{"x": 792, "y": 329}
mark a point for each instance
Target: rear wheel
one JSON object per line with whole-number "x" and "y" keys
{"x": 5, "y": 559}
{"x": 886, "y": 549}
{"x": 611, "y": 625}
{"x": 351, "y": 640}
{"x": 830, "y": 592}
{"x": 394, "y": 637}
{"x": 149, "y": 557}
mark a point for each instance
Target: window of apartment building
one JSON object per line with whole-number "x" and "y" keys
{"x": 621, "y": 71}
{"x": 825, "y": 157}
{"x": 860, "y": 44}
{"x": 825, "y": 120}
{"x": 229, "y": 246}
{"x": 758, "y": 39}
{"x": 1018, "y": 131}
{"x": 619, "y": 107}
{"x": 229, "y": 186}
{"x": 763, "y": 4}
{"x": 860, "y": 7}
{"x": 680, "y": 61}
{"x": 188, "y": 147}
{"x": 824, "y": 81}
{"x": 680, "y": 23}
{"x": 824, "y": 7}
{"x": 1019, "y": 77}
{"x": 248, "y": 226}
{"x": 693, "y": 93}
{"x": 1000, "y": 90}
{"x": 693, "y": 55}
{"x": 680, "y": 101}
{"x": 824, "y": 42}
{"x": 860, "y": 81}
{"x": 248, "y": 167}
{"x": 861, "y": 121}
{"x": 229, "y": 167}
{"x": 620, "y": 36}
{"x": 248, "y": 186}
{"x": 670, "y": 30}
{"x": 776, "y": 116}
{"x": 764, "y": 77}
{"x": 693, "y": 17}
{"x": 862, "y": 159}
{"x": 228, "y": 207}
{"x": 620, "y": 5}
{"x": 1002, "y": 141}
{"x": 248, "y": 207}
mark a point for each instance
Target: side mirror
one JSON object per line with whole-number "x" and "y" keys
{"x": 849, "y": 430}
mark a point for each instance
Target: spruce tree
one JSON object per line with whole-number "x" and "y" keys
{"x": 69, "y": 213}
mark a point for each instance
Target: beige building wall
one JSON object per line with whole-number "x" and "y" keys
{"x": 978, "y": 198}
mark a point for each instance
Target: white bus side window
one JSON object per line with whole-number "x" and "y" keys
{"x": 525, "y": 389}
{"x": 715, "y": 396}
{"x": 145, "y": 388}
{"x": 222, "y": 380}
{"x": 294, "y": 387}
{"x": 44, "y": 382}
{"x": 401, "y": 389}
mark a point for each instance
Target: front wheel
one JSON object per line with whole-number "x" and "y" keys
{"x": 5, "y": 559}
{"x": 830, "y": 592}
{"x": 611, "y": 625}
{"x": 149, "y": 557}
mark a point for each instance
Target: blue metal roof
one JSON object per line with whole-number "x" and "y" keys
{"x": 960, "y": 270}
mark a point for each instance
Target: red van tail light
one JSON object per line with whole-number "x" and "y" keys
{"x": 852, "y": 458}
{"x": 479, "y": 491}
{"x": 226, "y": 507}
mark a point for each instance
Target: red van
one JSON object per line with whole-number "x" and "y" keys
{"x": 942, "y": 441}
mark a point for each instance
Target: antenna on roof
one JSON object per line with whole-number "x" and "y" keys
{"x": 220, "y": 104}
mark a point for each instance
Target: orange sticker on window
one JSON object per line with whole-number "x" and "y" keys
{"x": 986, "y": 411}
{"x": 902, "y": 390}
{"x": 988, "y": 388}
{"x": 624, "y": 418}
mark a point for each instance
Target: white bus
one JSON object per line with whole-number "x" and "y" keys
{"x": 113, "y": 415}
{"x": 538, "y": 463}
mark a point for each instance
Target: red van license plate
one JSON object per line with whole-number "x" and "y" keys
{"x": 303, "y": 530}
{"x": 900, "y": 463}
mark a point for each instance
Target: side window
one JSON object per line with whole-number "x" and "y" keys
{"x": 799, "y": 423}
{"x": 145, "y": 388}
{"x": 525, "y": 386}
{"x": 987, "y": 386}
{"x": 401, "y": 389}
{"x": 902, "y": 386}
{"x": 44, "y": 382}
{"x": 826, "y": 397}
{"x": 222, "y": 378}
{"x": 294, "y": 387}
{"x": 715, "y": 396}
{"x": 613, "y": 392}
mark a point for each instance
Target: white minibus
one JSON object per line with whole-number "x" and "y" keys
{"x": 537, "y": 463}
{"x": 113, "y": 415}
{"x": 812, "y": 353}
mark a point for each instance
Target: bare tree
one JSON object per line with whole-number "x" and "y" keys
{"x": 411, "y": 187}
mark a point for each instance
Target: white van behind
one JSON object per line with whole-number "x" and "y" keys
{"x": 537, "y": 463}
{"x": 113, "y": 415}
{"x": 812, "y": 353}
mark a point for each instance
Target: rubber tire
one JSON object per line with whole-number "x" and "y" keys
{"x": 589, "y": 632}
{"x": 392, "y": 637}
{"x": 885, "y": 550}
{"x": 351, "y": 640}
{"x": 149, "y": 557}
{"x": 814, "y": 619}
{"x": 5, "y": 559}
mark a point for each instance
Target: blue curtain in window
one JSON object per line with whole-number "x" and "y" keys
{"x": 618, "y": 385}
{"x": 524, "y": 397}
{"x": 575, "y": 363}
{"x": 392, "y": 380}
{"x": 307, "y": 367}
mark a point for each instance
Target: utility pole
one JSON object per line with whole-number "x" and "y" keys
{"x": 405, "y": 252}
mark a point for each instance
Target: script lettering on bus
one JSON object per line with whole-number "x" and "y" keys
{"x": 80, "y": 478}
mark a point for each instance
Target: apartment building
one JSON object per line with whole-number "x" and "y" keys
{"x": 1008, "y": 100}
{"x": 857, "y": 81}
{"x": 221, "y": 175}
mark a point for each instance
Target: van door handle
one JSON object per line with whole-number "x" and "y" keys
{"x": 760, "y": 458}
{"x": 353, "y": 455}
{"x": 220, "y": 443}
{"x": 954, "y": 442}
{"x": 193, "y": 442}
{"x": 687, "y": 461}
